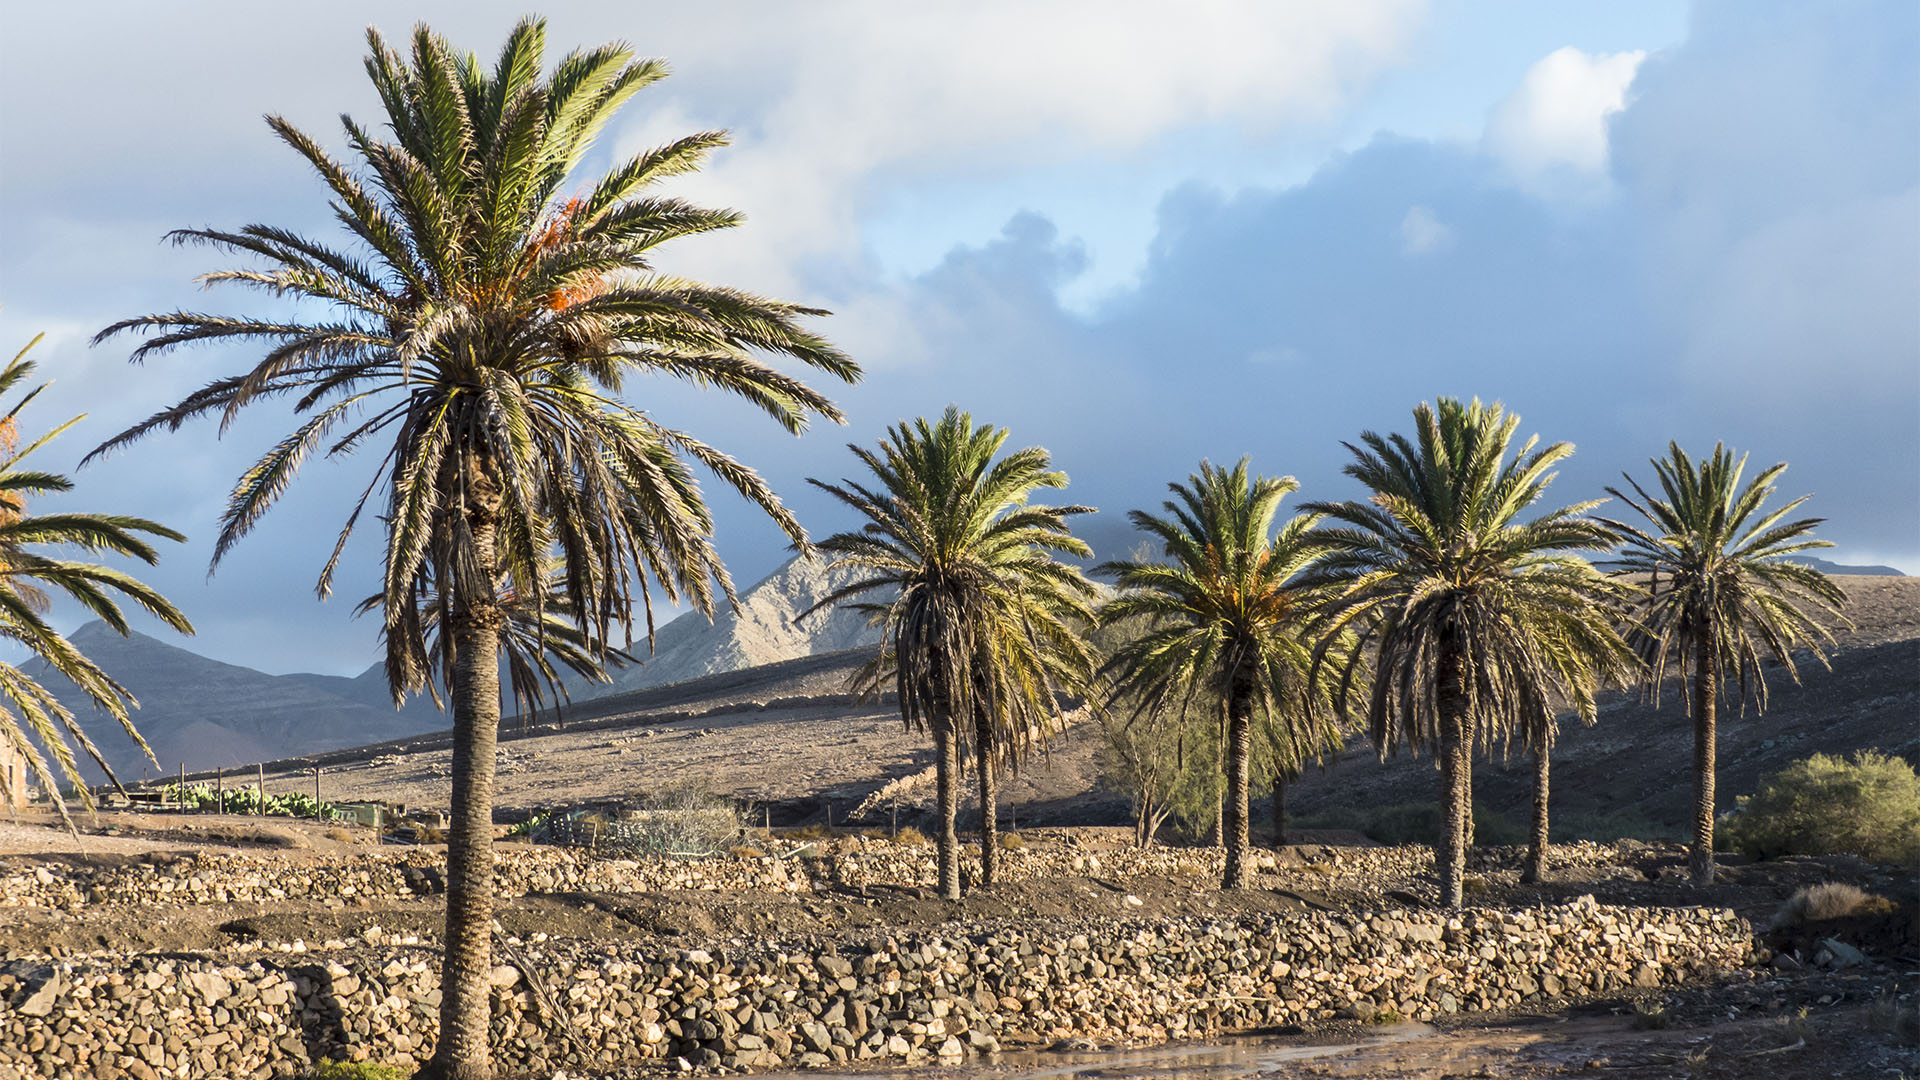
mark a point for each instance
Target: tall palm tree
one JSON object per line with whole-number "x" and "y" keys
{"x": 481, "y": 323}
{"x": 28, "y": 712}
{"x": 981, "y": 625}
{"x": 1224, "y": 613}
{"x": 1479, "y": 625}
{"x": 1721, "y": 596}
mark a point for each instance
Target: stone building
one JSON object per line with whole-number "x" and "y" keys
{"x": 13, "y": 767}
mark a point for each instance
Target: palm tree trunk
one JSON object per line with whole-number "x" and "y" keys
{"x": 946, "y": 769}
{"x": 1706, "y": 696}
{"x": 1279, "y": 809}
{"x": 1536, "y": 868}
{"x": 1456, "y": 782}
{"x": 989, "y": 805}
{"x": 1239, "y": 782}
{"x": 463, "y": 1052}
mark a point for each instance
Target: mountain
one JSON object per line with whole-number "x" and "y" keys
{"x": 207, "y": 714}
{"x": 762, "y": 631}
{"x": 1826, "y": 567}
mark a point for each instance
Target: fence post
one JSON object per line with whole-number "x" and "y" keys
{"x": 260, "y": 789}
{"x": 316, "y": 793}
{"x": 219, "y": 790}
{"x": 183, "y": 785}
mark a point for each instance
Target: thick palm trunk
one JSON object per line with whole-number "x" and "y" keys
{"x": 1239, "y": 784}
{"x": 462, "y": 1052}
{"x": 1706, "y": 699}
{"x": 1536, "y": 868}
{"x": 989, "y": 806}
{"x": 1456, "y": 784}
{"x": 946, "y": 769}
{"x": 1279, "y": 809}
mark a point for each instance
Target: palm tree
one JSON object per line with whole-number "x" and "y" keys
{"x": 1479, "y": 625}
{"x": 1721, "y": 595}
{"x": 28, "y": 712}
{"x": 1224, "y": 614}
{"x": 482, "y": 323}
{"x": 981, "y": 624}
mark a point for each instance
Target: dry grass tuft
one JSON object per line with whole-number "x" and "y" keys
{"x": 1889, "y": 1015}
{"x": 911, "y": 837}
{"x": 1011, "y": 842}
{"x": 1829, "y": 900}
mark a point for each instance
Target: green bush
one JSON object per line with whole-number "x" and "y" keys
{"x": 1869, "y": 806}
{"x": 245, "y": 800}
{"x": 357, "y": 1070}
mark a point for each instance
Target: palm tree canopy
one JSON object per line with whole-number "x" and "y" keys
{"x": 1227, "y": 600}
{"x": 1715, "y": 560}
{"x": 28, "y": 575}
{"x": 1437, "y": 560}
{"x": 482, "y": 322}
{"x": 980, "y": 618}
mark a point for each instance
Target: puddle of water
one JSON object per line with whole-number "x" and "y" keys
{"x": 1230, "y": 1059}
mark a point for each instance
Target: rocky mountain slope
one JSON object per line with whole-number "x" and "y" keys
{"x": 765, "y": 630}
{"x": 207, "y": 714}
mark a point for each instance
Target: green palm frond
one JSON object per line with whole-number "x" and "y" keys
{"x": 1225, "y": 608}
{"x": 1440, "y": 577}
{"x": 484, "y": 323}
{"x": 31, "y": 718}
{"x": 978, "y": 620}
{"x": 1714, "y": 567}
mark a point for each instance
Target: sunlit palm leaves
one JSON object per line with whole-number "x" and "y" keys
{"x": 27, "y": 574}
{"x": 482, "y": 323}
{"x": 980, "y": 621}
{"x": 1721, "y": 593}
{"x": 1481, "y": 627}
{"x": 1223, "y": 619}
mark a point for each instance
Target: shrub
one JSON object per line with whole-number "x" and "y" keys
{"x": 357, "y": 1070}
{"x": 1831, "y": 900}
{"x": 1011, "y": 842}
{"x": 910, "y": 836}
{"x": 1869, "y": 806}
{"x": 747, "y": 853}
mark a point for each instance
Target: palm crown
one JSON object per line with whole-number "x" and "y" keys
{"x": 1225, "y": 602}
{"x": 1437, "y": 562}
{"x": 1715, "y": 567}
{"x": 485, "y": 328}
{"x": 26, "y": 576}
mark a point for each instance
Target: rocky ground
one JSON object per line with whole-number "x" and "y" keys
{"x": 1807, "y": 1014}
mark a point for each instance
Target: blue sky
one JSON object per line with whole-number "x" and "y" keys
{"x": 1258, "y": 229}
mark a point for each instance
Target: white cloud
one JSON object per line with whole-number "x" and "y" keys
{"x": 981, "y": 90}
{"x": 1556, "y": 119}
{"x": 1422, "y": 234}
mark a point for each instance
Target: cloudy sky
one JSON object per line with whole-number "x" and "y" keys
{"x": 1259, "y": 228}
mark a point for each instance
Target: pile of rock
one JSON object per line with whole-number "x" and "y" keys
{"x": 790, "y": 867}
{"x": 814, "y": 1003}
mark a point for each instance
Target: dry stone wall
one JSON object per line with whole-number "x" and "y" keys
{"x": 943, "y": 997}
{"x": 850, "y": 861}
